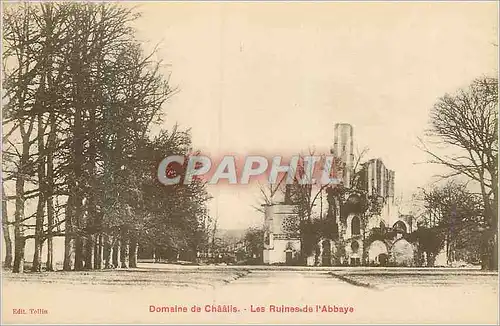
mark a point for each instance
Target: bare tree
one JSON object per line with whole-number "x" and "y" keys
{"x": 305, "y": 197}
{"x": 457, "y": 217}
{"x": 5, "y": 230}
{"x": 467, "y": 122}
{"x": 267, "y": 194}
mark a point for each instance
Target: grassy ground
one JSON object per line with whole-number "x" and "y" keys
{"x": 170, "y": 275}
{"x": 380, "y": 295}
{"x": 141, "y": 277}
{"x": 395, "y": 280}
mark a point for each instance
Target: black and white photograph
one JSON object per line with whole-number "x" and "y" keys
{"x": 250, "y": 162}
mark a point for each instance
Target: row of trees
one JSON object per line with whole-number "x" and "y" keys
{"x": 81, "y": 103}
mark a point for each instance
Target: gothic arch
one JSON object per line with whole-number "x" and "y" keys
{"x": 401, "y": 226}
{"x": 378, "y": 253}
{"x": 351, "y": 225}
{"x": 402, "y": 253}
{"x": 355, "y": 226}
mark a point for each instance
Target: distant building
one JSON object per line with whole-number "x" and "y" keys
{"x": 380, "y": 242}
{"x": 281, "y": 235}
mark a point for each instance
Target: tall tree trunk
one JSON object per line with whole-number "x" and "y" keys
{"x": 50, "y": 254}
{"x": 489, "y": 238}
{"x": 107, "y": 251}
{"x": 94, "y": 255}
{"x": 19, "y": 238}
{"x": 116, "y": 253}
{"x": 40, "y": 211}
{"x": 79, "y": 253}
{"x": 494, "y": 250}
{"x": 124, "y": 252}
{"x": 79, "y": 225}
{"x": 19, "y": 245}
{"x": 78, "y": 159}
{"x": 51, "y": 145}
{"x": 89, "y": 251}
{"x": 69, "y": 239}
{"x": 98, "y": 252}
{"x": 133, "y": 250}
{"x": 94, "y": 220}
{"x": 6, "y": 230}
{"x": 494, "y": 224}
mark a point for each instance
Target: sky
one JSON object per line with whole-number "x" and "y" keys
{"x": 275, "y": 77}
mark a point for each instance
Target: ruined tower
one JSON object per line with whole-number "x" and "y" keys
{"x": 343, "y": 149}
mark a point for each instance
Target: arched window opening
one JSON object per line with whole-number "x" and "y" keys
{"x": 399, "y": 226}
{"x": 355, "y": 226}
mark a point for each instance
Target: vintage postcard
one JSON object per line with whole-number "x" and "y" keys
{"x": 250, "y": 162}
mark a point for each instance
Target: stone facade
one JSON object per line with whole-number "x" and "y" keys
{"x": 380, "y": 242}
{"x": 281, "y": 235}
